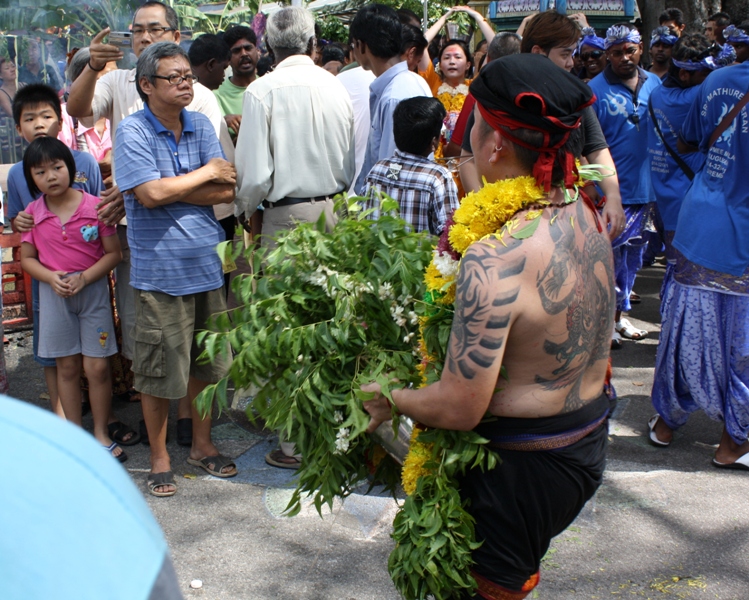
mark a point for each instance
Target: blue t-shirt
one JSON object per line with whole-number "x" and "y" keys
{"x": 671, "y": 104}
{"x": 626, "y": 134}
{"x": 713, "y": 226}
{"x": 172, "y": 247}
{"x": 87, "y": 178}
{"x": 385, "y": 92}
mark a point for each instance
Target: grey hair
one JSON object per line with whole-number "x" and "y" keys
{"x": 148, "y": 62}
{"x": 290, "y": 29}
{"x": 503, "y": 44}
{"x": 78, "y": 63}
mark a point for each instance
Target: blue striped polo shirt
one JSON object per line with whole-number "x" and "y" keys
{"x": 172, "y": 247}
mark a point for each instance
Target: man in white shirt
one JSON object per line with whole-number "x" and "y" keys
{"x": 295, "y": 149}
{"x": 356, "y": 81}
{"x": 114, "y": 96}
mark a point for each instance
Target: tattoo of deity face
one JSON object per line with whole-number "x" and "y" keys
{"x": 580, "y": 282}
{"x": 481, "y": 313}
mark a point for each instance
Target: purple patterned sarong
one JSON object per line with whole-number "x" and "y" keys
{"x": 629, "y": 248}
{"x": 703, "y": 358}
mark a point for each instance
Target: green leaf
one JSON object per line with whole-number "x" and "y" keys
{"x": 527, "y": 231}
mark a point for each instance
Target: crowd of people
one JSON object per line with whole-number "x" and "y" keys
{"x": 145, "y": 171}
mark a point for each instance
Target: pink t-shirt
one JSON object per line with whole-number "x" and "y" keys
{"x": 72, "y": 247}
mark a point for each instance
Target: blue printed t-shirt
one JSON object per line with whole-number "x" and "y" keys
{"x": 172, "y": 247}
{"x": 671, "y": 103}
{"x": 626, "y": 135}
{"x": 713, "y": 226}
{"x": 87, "y": 178}
{"x": 385, "y": 92}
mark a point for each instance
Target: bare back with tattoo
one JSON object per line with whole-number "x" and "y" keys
{"x": 542, "y": 307}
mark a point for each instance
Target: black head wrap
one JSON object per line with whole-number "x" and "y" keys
{"x": 528, "y": 91}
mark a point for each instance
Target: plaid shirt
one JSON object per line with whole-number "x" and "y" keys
{"x": 425, "y": 191}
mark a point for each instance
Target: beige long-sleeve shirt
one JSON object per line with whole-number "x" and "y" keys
{"x": 297, "y": 136}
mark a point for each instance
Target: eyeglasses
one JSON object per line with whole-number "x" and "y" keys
{"x": 237, "y": 50}
{"x": 595, "y": 55}
{"x": 154, "y": 32}
{"x": 177, "y": 79}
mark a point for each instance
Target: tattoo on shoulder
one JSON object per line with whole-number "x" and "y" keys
{"x": 482, "y": 312}
{"x": 570, "y": 284}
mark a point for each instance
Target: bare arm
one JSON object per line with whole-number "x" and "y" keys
{"x": 30, "y": 263}
{"x": 189, "y": 187}
{"x": 486, "y": 29}
{"x": 81, "y": 95}
{"x": 487, "y": 291}
{"x": 613, "y": 213}
{"x": 112, "y": 257}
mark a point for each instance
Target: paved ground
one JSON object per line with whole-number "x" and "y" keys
{"x": 665, "y": 524}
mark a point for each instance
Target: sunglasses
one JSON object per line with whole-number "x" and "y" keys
{"x": 595, "y": 55}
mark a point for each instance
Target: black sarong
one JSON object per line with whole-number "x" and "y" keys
{"x": 533, "y": 496}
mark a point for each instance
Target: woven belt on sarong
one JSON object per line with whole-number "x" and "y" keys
{"x": 555, "y": 441}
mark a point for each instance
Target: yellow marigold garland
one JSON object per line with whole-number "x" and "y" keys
{"x": 413, "y": 465}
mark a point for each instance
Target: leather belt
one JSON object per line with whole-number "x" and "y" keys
{"x": 292, "y": 201}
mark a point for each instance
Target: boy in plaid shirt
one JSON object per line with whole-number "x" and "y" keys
{"x": 425, "y": 191}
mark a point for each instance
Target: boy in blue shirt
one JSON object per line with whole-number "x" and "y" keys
{"x": 37, "y": 113}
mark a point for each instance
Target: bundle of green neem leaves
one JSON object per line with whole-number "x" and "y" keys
{"x": 331, "y": 312}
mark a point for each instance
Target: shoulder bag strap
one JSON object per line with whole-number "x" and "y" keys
{"x": 728, "y": 119}
{"x": 679, "y": 160}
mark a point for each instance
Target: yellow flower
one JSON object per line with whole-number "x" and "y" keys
{"x": 533, "y": 214}
{"x": 413, "y": 465}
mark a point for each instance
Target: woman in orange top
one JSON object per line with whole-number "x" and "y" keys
{"x": 450, "y": 80}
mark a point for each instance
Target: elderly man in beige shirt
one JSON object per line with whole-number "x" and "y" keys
{"x": 295, "y": 149}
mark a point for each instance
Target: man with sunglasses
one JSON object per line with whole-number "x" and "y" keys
{"x": 622, "y": 93}
{"x": 242, "y": 43}
{"x": 172, "y": 170}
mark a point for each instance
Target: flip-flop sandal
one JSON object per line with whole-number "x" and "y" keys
{"x": 740, "y": 464}
{"x": 634, "y": 298}
{"x": 184, "y": 432}
{"x": 278, "y": 459}
{"x": 651, "y": 433}
{"x": 616, "y": 341}
{"x": 111, "y": 448}
{"x": 629, "y": 331}
{"x": 118, "y": 431}
{"x": 159, "y": 479}
{"x": 213, "y": 465}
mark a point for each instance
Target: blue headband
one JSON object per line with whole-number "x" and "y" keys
{"x": 591, "y": 39}
{"x": 734, "y": 35}
{"x": 726, "y": 57}
{"x": 619, "y": 34}
{"x": 662, "y": 34}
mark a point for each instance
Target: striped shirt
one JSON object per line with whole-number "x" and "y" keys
{"x": 425, "y": 191}
{"x": 172, "y": 247}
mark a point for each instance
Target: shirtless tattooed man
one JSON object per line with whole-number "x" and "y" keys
{"x": 543, "y": 307}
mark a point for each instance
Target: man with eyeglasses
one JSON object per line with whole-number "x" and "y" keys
{"x": 172, "y": 170}
{"x": 114, "y": 97}
{"x": 242, "y": 43}
{"x": 622, "y": 93}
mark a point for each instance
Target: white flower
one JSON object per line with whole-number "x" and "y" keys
{"x": 446, "y": 265}
{"x": 341, "y": 441}
{"x": 413, "y": 317}
{"x": 338, "y": 416}
{"x": 386, "y": 291}
{"x": 407, "y": 339}
{"x": 300, "y": 358}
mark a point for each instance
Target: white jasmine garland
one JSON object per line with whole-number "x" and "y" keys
{"x": 446, "y": 88}
{"x": 386, "y": 291}
{"x": 446, "y": 265}
{"x": 341, "y": 441}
